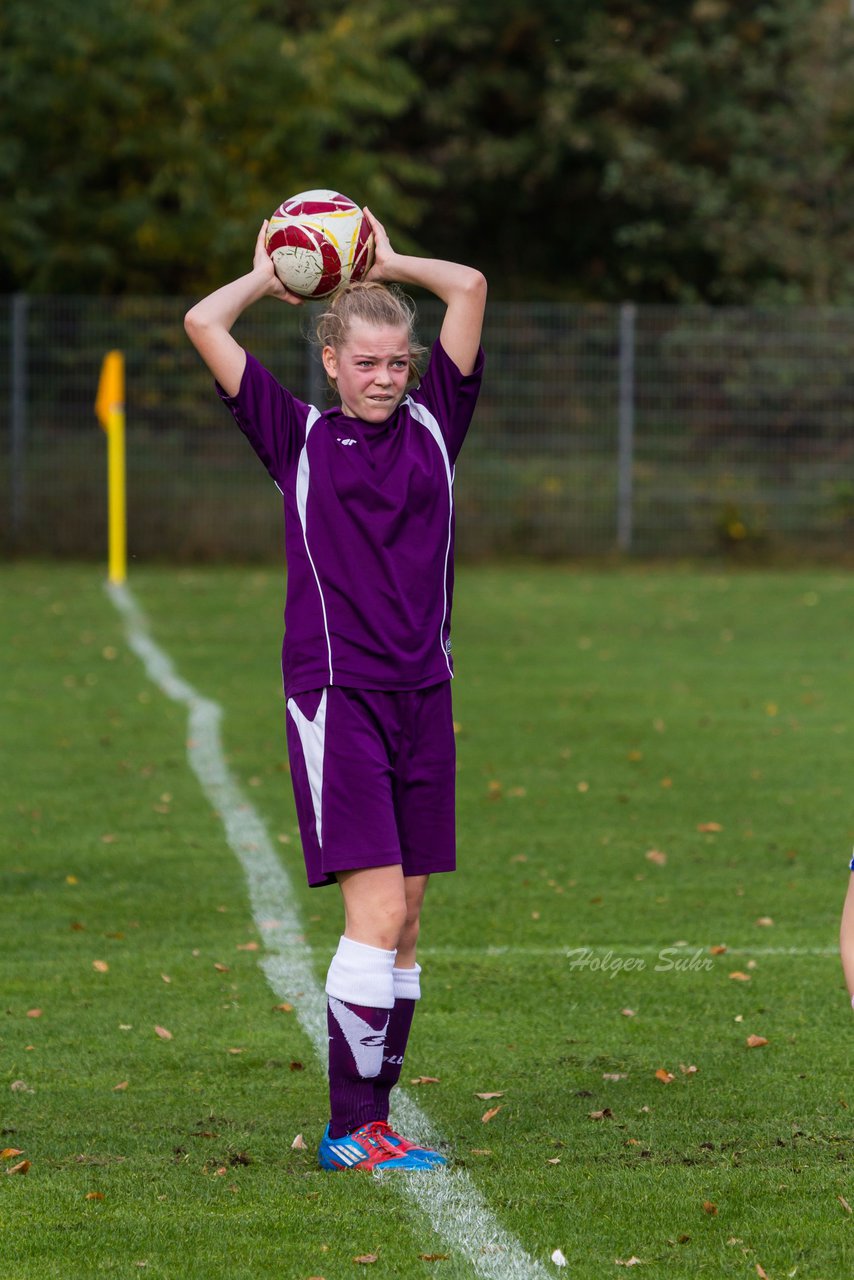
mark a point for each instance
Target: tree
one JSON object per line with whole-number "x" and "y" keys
{"x": 143, "y": 144}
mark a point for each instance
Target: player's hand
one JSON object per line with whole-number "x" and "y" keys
{"x": 384, "y": 255}
{"x": 262, "y": 265}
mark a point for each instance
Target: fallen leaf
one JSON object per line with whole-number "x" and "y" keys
{"x": 283, "y": 1008}
{"x": 366, "y": 1257}
{"x": 434, "y": 1257}
{"x": 235, "y": 1051}
{"x": 710, "y": 1208}
{"x": 628, "y": 1262}
{"x": 754, "y": 1042}
{"x": 688, "y": 1071}
{"x": 8, "y": 1152}
{"x": 120, "y": 1088}
{"x": 221, "y": 968}
{"x": 738, "y": 976}
{"x": 299, "y": 1143}
{"x": 486, "y": 1096}
{"x": 490, "y": 1114}
{"x": 166, "y": 978}
{"x": 20, "y": 1086}
{"x": 163, "y": 1033}
{"x": 845, "y": 1205}
{"x": 558, "y": 1259}
{"x": 554, "y": 1160}
{"x": 295, "y": 1066}
{"x": 94, "y": 1195}
{"x": 663, "y": 1075}
{"x": 100, "y": 966}
{"x": 628, "y": 1013}
{"x": 481, "y": 1151}
{"x": 656, "y": 856}
{"x": 709, "y": 826}
{"x": 425, "y": 1080}
{"x": 247, "y": 946}
{"x": 34, "y": 1013}
{"x": 761, "y": 1272}
{"x": 765, "y": 921}
{"x": 717, "y": 950}
{"x": 23, "y": 1167}
{"x": 614, "y": 1075}
{"x": 605, "y": 1114}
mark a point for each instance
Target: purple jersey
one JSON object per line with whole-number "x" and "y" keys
{"x": 369, "y": 527}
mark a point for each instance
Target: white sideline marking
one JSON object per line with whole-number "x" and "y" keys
{"x": 448, "y": 1197}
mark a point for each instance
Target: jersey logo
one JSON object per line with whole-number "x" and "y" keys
{"x": 345, "y": 440}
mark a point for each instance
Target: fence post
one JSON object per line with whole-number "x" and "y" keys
{"x": 626, "y": 426}
{"x": 315, "y": 374}
{"x": 18, "y": 415}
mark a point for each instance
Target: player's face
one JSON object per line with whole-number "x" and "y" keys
{"x": 371, "y": 370}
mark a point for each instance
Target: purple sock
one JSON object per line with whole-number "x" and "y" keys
{"x": 396, "y": 1036}
{"x": 356, "y": 1038}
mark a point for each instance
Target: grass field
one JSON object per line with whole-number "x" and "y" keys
{"x": 702, "y": 717}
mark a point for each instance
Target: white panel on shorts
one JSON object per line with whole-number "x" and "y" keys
{"x": 312, "y": 736}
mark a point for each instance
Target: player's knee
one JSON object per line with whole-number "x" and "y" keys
{"x": 409, "y": 932}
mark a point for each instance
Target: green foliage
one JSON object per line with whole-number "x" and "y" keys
{"x": 590, "y": 150}
{"x": 144, "y": 143}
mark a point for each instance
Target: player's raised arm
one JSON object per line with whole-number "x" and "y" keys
{"x": 461, "y": 288}
{"x": 209, "y": 322}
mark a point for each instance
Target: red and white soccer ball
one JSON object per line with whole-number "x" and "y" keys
{"x": 319, "y": 240}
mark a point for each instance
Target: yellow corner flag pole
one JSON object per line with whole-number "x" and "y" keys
{"x": 110, "y": 408}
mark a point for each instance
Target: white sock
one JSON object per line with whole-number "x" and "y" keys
{"x": 360, "y": 974}
{"x": 407, "y": 983}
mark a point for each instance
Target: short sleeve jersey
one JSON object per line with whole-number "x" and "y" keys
{"x": 369, "y": 527}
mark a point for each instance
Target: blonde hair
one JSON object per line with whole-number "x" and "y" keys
{"x": 372, "y": 303}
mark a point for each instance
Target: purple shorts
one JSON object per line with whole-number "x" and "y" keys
{"x": 373, "y": 775}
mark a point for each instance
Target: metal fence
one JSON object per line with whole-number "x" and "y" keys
{"x": 638, "y": 430}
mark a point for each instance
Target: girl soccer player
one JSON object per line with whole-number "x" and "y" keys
{"x": 366, "y": 660}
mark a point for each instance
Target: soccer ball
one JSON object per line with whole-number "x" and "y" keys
{"x": 319, "y": 240}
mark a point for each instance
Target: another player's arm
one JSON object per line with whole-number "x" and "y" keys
{"x": 846, "y": 938}
{"x": 462, "y": 289}
{"x": 209, "y": 322}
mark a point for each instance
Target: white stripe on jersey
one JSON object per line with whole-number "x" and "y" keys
{"x": 303, "y": 477}
{"x": 420, "y": 413}
{"x": 312, "y": 736}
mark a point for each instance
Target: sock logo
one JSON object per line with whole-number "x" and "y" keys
{"x": 365, "y": 1042}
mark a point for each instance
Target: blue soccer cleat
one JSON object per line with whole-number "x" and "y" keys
{"x": 425, "y": 1154}
{"x": 371, "y": 1147}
